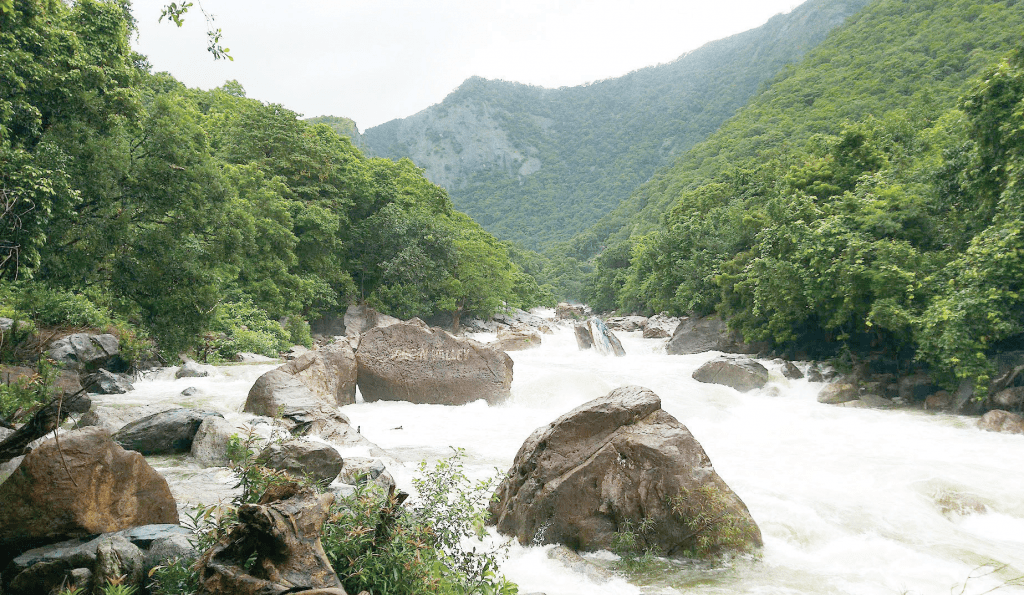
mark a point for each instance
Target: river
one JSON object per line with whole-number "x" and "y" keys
{"x": 851, "y": 501}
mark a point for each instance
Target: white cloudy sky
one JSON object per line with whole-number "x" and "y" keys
{"x": 376, "y": 60}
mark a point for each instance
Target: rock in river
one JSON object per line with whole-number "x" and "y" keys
{"x": 413, "y": 362}
{"x": 620, "y": 459}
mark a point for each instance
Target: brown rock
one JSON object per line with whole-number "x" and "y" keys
{"x": 1002, "y": 421}
{"x": 274, "y": 549}
{"x": 940, "y": 401}
{"x": 412, "y": 362}
{"x": 834, "y": 394}
{"x": 104, "y": 489}
{"x": 619, "y": 459}
{"x": 517, "y": 339}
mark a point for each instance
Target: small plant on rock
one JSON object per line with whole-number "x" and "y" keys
{"x": 629, "y": 544}
{"x": 713, "y": 526}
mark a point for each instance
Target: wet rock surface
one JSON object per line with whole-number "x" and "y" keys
{"x": 619, "y": 459}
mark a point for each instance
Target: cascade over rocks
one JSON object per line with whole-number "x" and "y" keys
{"x": 743, "y": 374}
{"x": 282, "y": 535}
{"x": 697, "y": 335}
{"x": 412, "y": 362}
{"x": 167, "y": 432}
{"x": 619, "y": 459}
{"x": 103, "y": 489}
{"x": 594, "y": 334}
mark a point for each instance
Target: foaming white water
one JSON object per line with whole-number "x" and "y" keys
{"x": 848, "y": 500}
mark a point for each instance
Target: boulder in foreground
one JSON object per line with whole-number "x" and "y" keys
{"x": 619, "y": 460}
{"x": 413, "y": 362}
{"x": 104, "y": 488}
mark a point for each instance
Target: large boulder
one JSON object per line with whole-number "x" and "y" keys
{"x": 90, "y": 485}
{"x": 167, "y": 432}
{"x": 329, "y": 372}
{"x": 210, "y": 444}
{"x": 105, "y": 382}
{"x": 1002, "y": 421}
{"x": 83, "y": 351}
{"x": 697, "y": 335}
{"x": 517, "y": 338}
{"x": 743, "y": 374}
{"x": 359, "y": 319}
{"x": 620, "y": 459}
{"x": 594, "y": 333}
{"x": 277, "y": 391}
{"x": 410, "y": 361}
{"x": 318, "y": 461}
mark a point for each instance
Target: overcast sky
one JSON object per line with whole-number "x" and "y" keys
{"x": 376, "y": 60}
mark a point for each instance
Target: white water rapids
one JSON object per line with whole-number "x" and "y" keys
{"x": 848, "y": 500}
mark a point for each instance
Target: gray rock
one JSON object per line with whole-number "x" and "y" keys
{"x": 789, "y": 370}
{"x": 876, "y": 402}
{"x": 360, "y": 319}
{"x": 626, "y": 324}
{"x": 318, "y": 461}
{"x": 660, "y": 326}
{"x": 210, "y": 444}
{"x": 619, "y": 459}
{"x": 82, "y": 351}
{"x": 743, "y": 374}
{"x": 118, "y": 559}
{"x": 191, "y": 369}
{"x": 190, "y": 391}
{"x": 697, "y": 335}
{"x": 113, "y": 419}
{"x": 105, "y": 382}
{"x": 167, "y": 432}
{"x": 6, "y": 324}
{"x": 834, "y": 394}
{"x": 1009, "y": 398}
{"x": 252, "y": 358}
{"x": 294, "y": 351}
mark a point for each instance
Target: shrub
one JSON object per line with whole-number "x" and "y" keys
{"x": 245, "y": 327}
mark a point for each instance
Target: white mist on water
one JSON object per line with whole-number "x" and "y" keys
{"x": 848, "y": 500}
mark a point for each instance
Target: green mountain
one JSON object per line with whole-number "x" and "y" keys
{"x": 870, "y": 197}
{"x": 539, "y": 165}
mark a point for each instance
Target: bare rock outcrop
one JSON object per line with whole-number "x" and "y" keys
{"x": 620, "y": 459}
{"x": 412, "y": 362}
{"x": 103, "y": 488}
{"x": 697, "y": 335}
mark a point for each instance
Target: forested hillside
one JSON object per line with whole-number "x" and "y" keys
{"x": 869, "y": 196}
{"x": 539, "y": 165}
{"x": 128, "y": 199}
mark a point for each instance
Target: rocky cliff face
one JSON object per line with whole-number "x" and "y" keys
{"x": 538, "y": 165}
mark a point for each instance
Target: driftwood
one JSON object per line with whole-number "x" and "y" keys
{"x": 46, "y": 420}
{"x": 282, "y": 538}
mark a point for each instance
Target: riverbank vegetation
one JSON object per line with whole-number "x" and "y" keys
{"x": 868, "y": 197}
{"x": 181, "y": 212}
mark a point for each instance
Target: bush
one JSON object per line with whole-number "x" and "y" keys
{"x": 54, "y": 307}
{"x": 21, "y": 398}
{"x": 242, "y": 326}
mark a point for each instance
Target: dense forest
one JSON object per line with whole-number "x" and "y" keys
{"x": 537, "y": 166}
{"x": 869, "y": 196}
{"x": 128, "y": 200}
